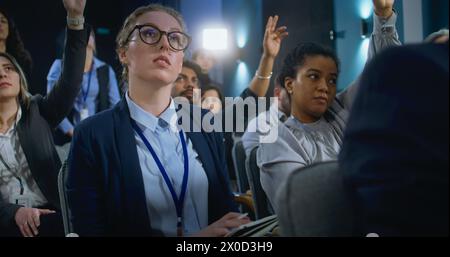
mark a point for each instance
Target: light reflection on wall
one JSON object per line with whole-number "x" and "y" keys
{"x": 215, "y": 39}
{"x": 363, "y": 52}
{"x": 242, "y": 78}
{"x": 241, "y": 37}
{"x": 365, "y": 8}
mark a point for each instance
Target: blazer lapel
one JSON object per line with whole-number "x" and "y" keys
{"x": 204, "y": 151}
{"x": 39, "y": 168}
{"x": 201, "y": 145}
{"x": 133, "y": 184}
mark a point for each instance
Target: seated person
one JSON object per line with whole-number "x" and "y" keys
{"x": 278, "y": 113}
{"x": 314, "y": 131}
{"x": 396, "y": 146}
{"x": 142, "y": 174}
{"x": 206, "y": 60}
{"x": 212, "y": 98}
{"x": 99, "y": 91}
{"x": 187, "y": 83}
{"x": 29, "y": 163}
{"x": 11, "y": 43}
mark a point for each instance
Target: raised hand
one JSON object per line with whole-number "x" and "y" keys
{"x": 273, "y": 37}
{"x": 28, "y": 220}
{"x": 383, "y": 8}
{"x": 74, "y": 8}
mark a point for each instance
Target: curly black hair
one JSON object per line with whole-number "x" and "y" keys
{"x": 296, "y": 58}
{"x": 15, "y": 46}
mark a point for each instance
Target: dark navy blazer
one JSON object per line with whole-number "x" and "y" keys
{"x": 104, "y": 183}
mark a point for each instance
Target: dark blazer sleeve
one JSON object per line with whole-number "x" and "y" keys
{"x": 222, "y": 157}
{"x": 219, "y": 141}
{"x": 58, "y": 102}
{"x": 84, "y": 186}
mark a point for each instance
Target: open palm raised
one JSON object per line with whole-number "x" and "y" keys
{"x": 273, "y": 37}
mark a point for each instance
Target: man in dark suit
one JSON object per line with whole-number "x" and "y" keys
{"x": 396, "y": 146}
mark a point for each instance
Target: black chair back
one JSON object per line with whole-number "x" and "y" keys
{"x": 238, "y": 154}
{"x": 262, "y": 205}
{"x": 314, "y": 202}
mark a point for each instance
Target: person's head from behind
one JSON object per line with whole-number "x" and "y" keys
{"x": 151, "y": 46}
{"x": 187, "y": 81}
{"x": 438, "y": 37}
{"x": 13, "y": 84}
{"x": 204, "y": 59}
{"x": 309, "y": 75}
{"x": 284, "y": 103}
{"x": 212, "y": 98}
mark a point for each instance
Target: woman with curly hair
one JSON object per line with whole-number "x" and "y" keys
{"x": 11, "y": 43}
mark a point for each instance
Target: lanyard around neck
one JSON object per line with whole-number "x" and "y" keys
{"x": 85, "y": 94}
{"x": 15, "y": 172}
{"x": 13, "y": 136}
{"x": 179, "y": 202}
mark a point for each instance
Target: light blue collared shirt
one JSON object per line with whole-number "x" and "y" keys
{"x": 114, "y": 97}
{"x": 162, "y": 134}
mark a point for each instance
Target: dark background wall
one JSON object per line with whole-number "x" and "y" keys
{"x": 350, "y": 46}
{"x": 435, "y": 15}
{"x": 244, "y": 18}
{"x": 307, "y": 21}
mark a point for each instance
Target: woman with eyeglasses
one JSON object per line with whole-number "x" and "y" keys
{"x": 132, "y": 170}
{"x": 29, "y": 163}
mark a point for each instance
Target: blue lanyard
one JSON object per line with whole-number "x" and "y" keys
{"x": 85, "y": 94}
{"x": 179, "y": 202}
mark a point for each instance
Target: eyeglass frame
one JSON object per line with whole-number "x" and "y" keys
{"x": 161, "y": 33}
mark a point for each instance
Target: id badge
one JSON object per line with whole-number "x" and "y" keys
{"x": 84, "y": 113}
{"x": 23, "y": 200}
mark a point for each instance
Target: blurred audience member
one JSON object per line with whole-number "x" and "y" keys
{"x": 99, "y": 91}
{"x": 11, "y": 43}
{"x": 212, "y": 98}
{"x": 440, "y": 36}
{"x": 261, "y": 125}
{"x": 206, "y": 60}
{"x": 187, "y": 83}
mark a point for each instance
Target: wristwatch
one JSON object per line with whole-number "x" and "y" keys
{"x": 75, "y": 21}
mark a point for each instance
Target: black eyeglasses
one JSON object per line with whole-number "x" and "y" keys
{"x": 150, "y": 35}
